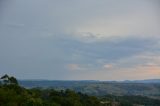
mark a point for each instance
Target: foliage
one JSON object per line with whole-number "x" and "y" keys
{"x": 11, "y": 94}
{"x": 9, "y": 80}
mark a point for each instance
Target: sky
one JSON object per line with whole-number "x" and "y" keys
{"x": 80, "y": 39}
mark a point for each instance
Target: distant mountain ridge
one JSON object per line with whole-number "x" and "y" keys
{"x": 150, "y": 88}
{"x": 125, "y": 81}
{"x": 68, "y": 83}
{"x": 142, "y": 81}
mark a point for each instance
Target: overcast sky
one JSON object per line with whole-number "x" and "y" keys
{"x": 80, "y": 39}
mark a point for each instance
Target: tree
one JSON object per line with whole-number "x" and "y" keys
{"x": 13, "y": 80}
{"x": 9, "y": 80}
{"x": 5, "y": 79}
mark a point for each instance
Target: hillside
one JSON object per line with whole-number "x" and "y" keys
{"x": 100, "y": 88}
{"x": 12, "y": 94}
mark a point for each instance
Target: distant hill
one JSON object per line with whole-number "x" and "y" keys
{"x": 150, "y": 88}
{"x": 143, "y": 81}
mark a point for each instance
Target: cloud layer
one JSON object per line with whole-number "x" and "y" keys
{"x": 87, "y": 39}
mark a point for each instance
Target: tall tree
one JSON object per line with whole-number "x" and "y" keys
{"x": 9, "y": 80}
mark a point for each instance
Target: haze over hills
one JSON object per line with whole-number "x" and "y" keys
{"x": 143, "y": 81}
{"x": 38, "y": 82}
{"x": 150, "y": 87}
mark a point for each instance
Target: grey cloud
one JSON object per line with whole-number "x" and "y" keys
{"x": 38, "y": 38}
